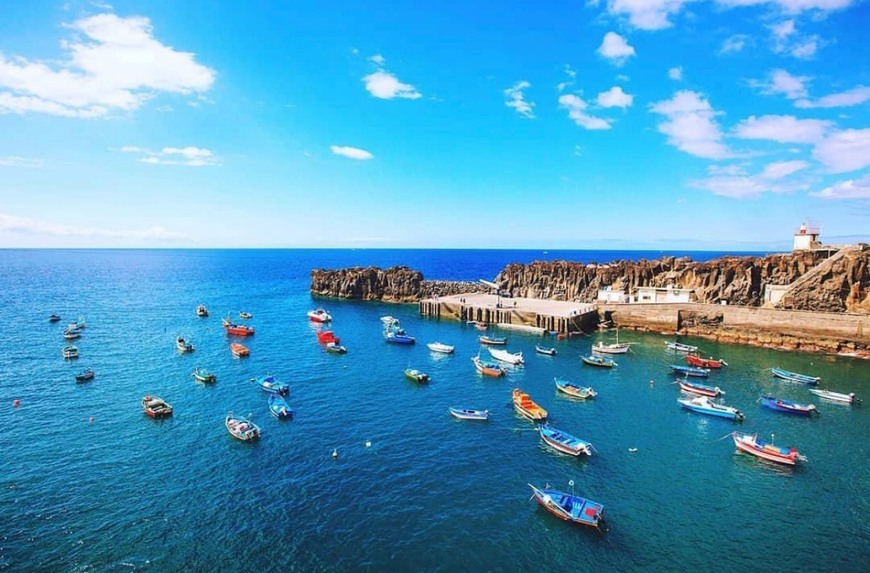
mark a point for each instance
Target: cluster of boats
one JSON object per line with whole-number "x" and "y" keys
{"x": 69, "y": 352}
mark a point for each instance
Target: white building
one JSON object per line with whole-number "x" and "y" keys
{"x": 616, "y": 296}
{"x": 774, "y": 293}
{"x": 806, "y": 237}
{"x": 649, "y": 295}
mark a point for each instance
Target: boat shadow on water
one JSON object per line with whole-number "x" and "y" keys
{"x": 752, "y": 463}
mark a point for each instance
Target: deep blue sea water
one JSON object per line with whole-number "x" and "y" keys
{"x": 125, "y": 492}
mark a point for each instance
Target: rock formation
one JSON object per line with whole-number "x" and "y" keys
{"x": 395, "y": 284}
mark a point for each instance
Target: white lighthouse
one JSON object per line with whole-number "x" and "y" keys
{"x": 806, "y": 238}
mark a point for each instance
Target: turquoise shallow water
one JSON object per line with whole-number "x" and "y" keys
{"x": 431, "y": 493}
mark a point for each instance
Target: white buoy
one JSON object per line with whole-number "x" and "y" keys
{"x": 632, "y": 450}
{"x": 335, "y": 454}
{"x": 368, "y": 443}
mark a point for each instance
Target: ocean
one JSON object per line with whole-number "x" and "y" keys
{"x": 88, "y": 483}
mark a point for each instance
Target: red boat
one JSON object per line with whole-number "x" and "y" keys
{"x": 695, "y": 360}
{"x": 238, "y": 329}
{"x": 770, "y": 452}
{"x": 327, "y": 336}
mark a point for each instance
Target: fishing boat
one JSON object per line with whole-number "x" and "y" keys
{"x": 239, "y": 350}
{"x": 335, "y": 348}
{"x": 201, "y": 311}
{"x": 570, "y": 507}
{"x": 506, "y": 357}
{"x": 237, "y": 329}
{"x": 564, "y": 442}
{"x": 279, "y": 407}
{"x": 750, "y": 444}
{"x": 574, "y": 390}
{"x": 69, "y": 351}
{"x": 849, "y": 398}
{"x": 72, "y": 333}
{"x": 203, "y": 375}
{"x": 698, "y": 362}
{"x": 270, "y": 385}
{"x": 700, "y": 389}
{"x": 599, "y": 361}
{"x": 524, "y": 406}
{"x": 245, "y": 315}
{"x": 487, "y": 368}
{"x": 415, "y": 375}
{"x": 241, "y": 428}
{"x": 611, "y": 348}
{"x": 704, "y": 405}
{"x": 466, "y": 414}
{"x": 155, "y": 407}
{"x": 389, "y": 320}
{"x": 787, "y": 406}
{"x": 690, "y": 371}
{"x": 85, "y": 375}
{"x": 481, "y": 325}
{"x": 79, "y": 324}
{"x": 183, "y": 346}
{"x": 492, "y": 340}
{"x": 327, "y": 337}
{"x": 319, "y": 315}
{"x": 545, "y": 350}
{"x": 395, "y": 335}
{"x": 440, "y": 348}
{"x": 54, "y": 318}
{"x": 795, "y": 377}
{"x": 680, "y": 347}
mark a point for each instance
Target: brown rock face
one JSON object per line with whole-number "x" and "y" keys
{"x": 839, "y": 284}
{"x": 395, "y": 284}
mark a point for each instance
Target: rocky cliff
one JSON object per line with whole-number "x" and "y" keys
{"x": 395, "y": 284}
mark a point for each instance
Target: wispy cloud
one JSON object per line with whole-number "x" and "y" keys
{"x": 16, "y": 161}
{"x": 844, "y": 151}
{"x": 351, "y": 152}
{"x": 783, "y": 129}
{"x": 733, "y": 181}
{"x": 848, "y": 98}
{"x": 185, "y": 156}
{"x": 690, "y": 125}
{"x": 615, "y": 49}
{"x": 781, "y": 82}
{"x": 734, "y": 44}
{"x": 615, "y": 97}
{"x": 577, "y": 112}
{"x": 647, "y": 14}
{"x": 781, "y": 169}
{"x": 850, "y": 189}
{"x": 378, "y": 59}
{"x": 676, "y": 73}
{"x": 385, "y": 85}
{"x": 790, "y": 6}
{"x": 25, "y": 225}
{"x": 516, "y": 99}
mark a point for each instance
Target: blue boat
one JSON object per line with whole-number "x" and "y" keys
{"x": 690, "y": 371}
{"x": 795, "y": 377}
{"x": 279, "y": 407}
{"x": 788, "y": 406}
{"x": 269, "y": 384}
{"x": 468, "y": 414}
{"x": 573, "y": 389}
{"x": 704, "y": 405}
{"x": 570, "y": 507}
{"x": 600, "y": 361}
{"x": 396, "y": 335}
{"x": 565, "y": 442}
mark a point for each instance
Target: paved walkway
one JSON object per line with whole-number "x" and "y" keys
{"x": 558, "y": 308}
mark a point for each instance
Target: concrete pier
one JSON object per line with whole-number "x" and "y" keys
{"x": 565, "y": 317}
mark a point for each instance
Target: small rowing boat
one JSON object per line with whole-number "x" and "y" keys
{"x": 319, "y": 315}
{"x": 680, "y": 347}
{"x": 241, "y": 428}
{"x": 570, "y": 507}
{"x": 795, "y": 377}
{"x": 270, "y": 385}
{"x": 69, "y": 351}
{"x": 750, "y": 444}
{"x": 201, "y": 311}
{"x": 237, "y": 329}
{"x": 545, "y": 350}
{"x": 506, "y": 357}
{"x": 600, "y": 361}
{"x": 85, "y": 376}
{"x": 698, "y": 362}
{"x": 526, "y": 407}
{"x": 487, "y": 368}
{"x": 245, "y": 315}
{"x": 849, "y": 398}
{"x": 466, "y": 414}
{"x": 492, "y": 340}
{"x": 239, "y": 350}
{"x": 183, "y": 346}
{"x": 71, "y": 333}
{"x": 564, "y": 442}
{"x": 155, "y": 407}
{"x": 278, "y": 407}
{"x": 787, "y": 406}
{"x": 335, "y": 348}
{"x": 440, "y": 348}
{"x": 416, "y": 376}
{"x": 700, "y": 389}
{"x": 54, "y": 318}
{"x": 690, "y": 371}
{"x": 574, "y": 390}
{"x": 704, "y": 405}
{"x": 202, "y": 375}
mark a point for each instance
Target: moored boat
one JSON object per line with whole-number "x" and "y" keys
{"x": 750, "y": 444}
{"x": 69, "y": 351}
{"x": 241, "y": 428}
{"x": 85, "y": 375}
{"x": 549, "y": 351}
{"x": 271, "y": 385}
{"x": 155, "y": 407}
{"x": 79, "y": 324}
{"x": 487, "y": 368}
{"x": 319, "y": 315}
{"x": 600, "y": 361}
{"x": 327, "y": 337}
{"x": 279, "y": 407}
{"x": 704, "y": 405}
{"x": 492, "y": 340}
{"x": 570, "y": 507}
{"x": 506, "y": 357}
{"x": 690, "y": 371}
{"x": 416, "y": 375}
{"x": 574, "y": 390}
{"x": 239, "y": 350}
{"x": 849, "y": 398}
{"x": 680, "y": 347}
{"x": 54, "y": 318}
{"x": 795, "y": 377}
{"x": 202, "y": 375}
{"x": 787, "y": 406}
{"x": 526, "y": 407}
{"x": 611, "y": 348}
{"x": 699, "y": 389}
{"x": 71, "y": 333}
{"x": 698, "y": 362}
{"x": 183, "y": 346}
{"x": 440, "y": 348}
{"x": 396, "y": 335}
{"x": 335, "y": 348}
{"x": 467, "y": 414}
{"x": 237, "y": 329}
{"x": 245, "y": 315}
{"x": 564, "y": 442}
{"x": 389, "y": 320}
{"x": 201, "y": 311}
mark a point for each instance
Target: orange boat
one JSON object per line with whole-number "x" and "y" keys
{"x": 327, "y": 336}
{"x": 525, "y": 407}
{"x": 238, "y": 329}
{"x": 695, "y": 360}
{"x": 239, "y": 350}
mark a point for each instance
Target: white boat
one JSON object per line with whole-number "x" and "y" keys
{"x": 241, "y": 428}
{"x": 612, "y": 348}
{"x": 319, "y": 315}
{"x": 389, "y": 320}
{"x": 439, "y": 347}
{"x": 849, "y": 398}
{"x": 680, "y": 347}
{"x": 506, "y": 357}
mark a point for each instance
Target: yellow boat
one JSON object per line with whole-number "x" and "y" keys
{"x": 524, "y": 406}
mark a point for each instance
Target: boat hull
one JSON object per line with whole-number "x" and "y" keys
{"x": 699, "y": 389}
{"x": 598, "y": 361}
{"x": 835, "y": 396}
{"x": 788, "y": 407}
{"x": 795, "y": 377}
{"x": 476, "y": 415}
{"x": 583, "y": 511}
{"x": 492, "y": 341}
{"x": 763, "y": 452}
{"x": 611, "y": 348}
{"x": 580, "y": 447}
{"x": 545, "y": 351}
{"x": 727, "y": 414}
{"x": 703, "y": 362}
{"x": 689, "y": 371}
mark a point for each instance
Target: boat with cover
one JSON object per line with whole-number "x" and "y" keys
{"x": 270, "y": 385}
{"x": 795, "y": 377}
{"x": 389, "y": 320}
{"x": 396, "y": 335}
{"x": 599, "y": 361}
{"x": 787, "y": 406}
{"x": 698, "y": 362}
{"x": 440, "y": 348}
{"x": 85, "y": 375}
{"x": 155, "y": 407}
{"x": 71, "y": 333}
{"x": 680, "y": 347}
{"x": 570, "y": 507}
{"x": 327, "y": 336}
{"x": 239, "y": 350}
{"x": 690, "y": 371}
{"x": 574, "y": 390}
{"x": 319, "y": 315}
{"x": 750, "y": 444}
{"x": 241, "y": 428}
{"x": 492, "y": 340}
{"x": 526, "y": 407}
{"x": 704, "y": 405}
{"x": 545, "y": 350}
{"x": 237, "y": 329}
{"x": 415, "y": 375}
{"x": 487, "y": 368}
{"x": 335, "y": 348}
{"x": 849, "y": 398}
{"x": 70, "y": 351}
{"x": 202, "y": 375}
{"x": 564, "y": 442}
{"x": 278, "y": 407}
{"x": 506, "y": 357}
{"x": 54, "y": 318}
{"x": 201, "y": 311}
{"x": 700, "y": 389}
{"x": 245, "y": 315}
{"x": 183, "y": 346}
{"x": 467, "y": 414}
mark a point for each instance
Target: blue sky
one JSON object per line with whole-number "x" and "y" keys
{"x": 704, "y": 124}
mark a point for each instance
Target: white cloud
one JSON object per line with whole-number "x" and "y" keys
{"x": 791, "y": 6}
{"x": 782, "y": 30}
{"x": 378, "y": 59}
{"x": 578, "y": 151}
{"x": 690, "y": 125}
{"x": 734, "y": 44}
{"x": 854, "y": 96}
{"x": 726, "y": 170}
{"x": 782, "y": 82}
{"x": 570, "y": 71}
{"x": 351, "y": 152}
{"x": 577, "y": 111}
{"x": 646, "y": 14}
{"x": 516, "y": 99}
{"x": 806, "y": 49}
{"x": 116, "y": 65}
{"x": 572, "y": 74}
{"x": 782, "y": 128}
{"x": 615, "y": 97}
{"x": 676, "y": 73}
{"x": 16, "y": 161}
{"x": 735, "y": 187}
{"x": 31, "y": 226}
{"x": 185, "y": 156}
{"x": 851, "y": 189}
{"x": 843, "y": 151}
{"x": 781, "y": 169}
{"x": 385, "y": 85}
{"x": 615, "y": 48}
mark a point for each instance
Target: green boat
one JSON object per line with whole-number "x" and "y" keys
{"x": 416, "y": 375}
{"x": 203, "y": 376}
